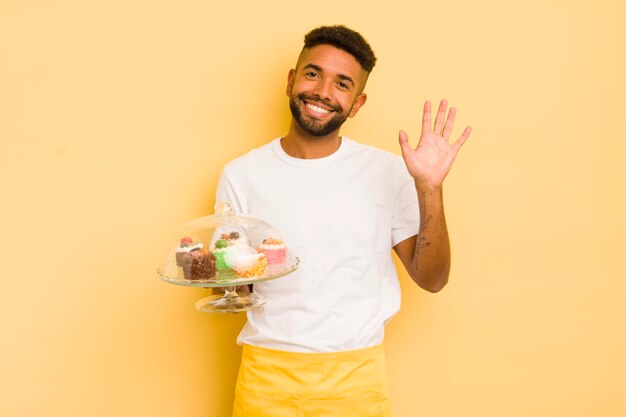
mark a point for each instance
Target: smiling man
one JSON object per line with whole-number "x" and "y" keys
{"x": 315, "y": 348}
{"x": 324, "y": 73}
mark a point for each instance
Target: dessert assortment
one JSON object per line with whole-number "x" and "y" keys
{"x": 230, "y": 256}
{"x": 226, "y": 250}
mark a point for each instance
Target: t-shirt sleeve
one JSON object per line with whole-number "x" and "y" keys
{"x": 226, "y": 191}
{"x": 406, "y": 216}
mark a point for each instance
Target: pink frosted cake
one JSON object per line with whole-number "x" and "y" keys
{"x": 275, "y": 251}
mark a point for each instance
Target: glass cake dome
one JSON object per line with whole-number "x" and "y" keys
{"x": 226, "y": 250}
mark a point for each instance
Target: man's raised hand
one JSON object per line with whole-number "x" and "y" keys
{"x": 431, "y": 160}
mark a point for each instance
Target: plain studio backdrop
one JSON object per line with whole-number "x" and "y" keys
{"x": 116, "y": 119}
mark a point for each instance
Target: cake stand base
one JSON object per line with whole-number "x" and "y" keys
{"x": 230, "y": 302}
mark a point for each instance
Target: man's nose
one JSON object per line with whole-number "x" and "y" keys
{"x": 323, "y": 89}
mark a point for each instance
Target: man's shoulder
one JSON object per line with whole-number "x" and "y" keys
{"x": 371, "y": 151}
{"x": 260, "y": 155}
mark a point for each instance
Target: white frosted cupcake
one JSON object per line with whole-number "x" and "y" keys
{"x": 250, "y": 263}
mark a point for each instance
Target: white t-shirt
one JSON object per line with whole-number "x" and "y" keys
{"x": 341, "y": 215}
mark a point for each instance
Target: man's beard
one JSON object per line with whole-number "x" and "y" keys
{"x": 314, "y": 127}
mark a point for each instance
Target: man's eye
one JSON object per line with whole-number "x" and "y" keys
{"x": 311, "y": 74}
{"x": 342, "y": 85}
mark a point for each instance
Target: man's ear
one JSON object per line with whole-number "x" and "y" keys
{"x": 290, "y": 79}
{"x": 358, "y": 102}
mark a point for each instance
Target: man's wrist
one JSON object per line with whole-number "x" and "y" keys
{"x": 422, "y": 188}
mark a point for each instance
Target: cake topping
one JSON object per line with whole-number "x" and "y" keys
{"x": 227, "y": 239}
{"x": 186, "y": 241}
{"x": 272, "y": 241}
{"x": 187, "y": 245}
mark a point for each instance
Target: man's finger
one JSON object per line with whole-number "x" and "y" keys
{"x": 404, "y": 143}
{"x": 441, "y": 115}
{"x": 426, "y": 126}
{"x": 447, "y": 128}
{"x": 461, "y": 140}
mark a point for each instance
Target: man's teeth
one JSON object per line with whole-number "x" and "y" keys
{"x": 317, "y": 109}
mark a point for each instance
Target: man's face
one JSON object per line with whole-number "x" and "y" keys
{"x": 325, "y": 89}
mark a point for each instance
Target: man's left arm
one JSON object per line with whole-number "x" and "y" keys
{"x": 426, "y": 256}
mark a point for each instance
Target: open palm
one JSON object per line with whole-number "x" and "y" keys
{"x": 431, "y": 161}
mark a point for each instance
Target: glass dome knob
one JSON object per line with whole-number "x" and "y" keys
{"x": 223, "y": 208}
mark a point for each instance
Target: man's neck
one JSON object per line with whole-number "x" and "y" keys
{"x": 299, "y": 144}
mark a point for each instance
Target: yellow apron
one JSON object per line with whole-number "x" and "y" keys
{"x": 274, "y": 383}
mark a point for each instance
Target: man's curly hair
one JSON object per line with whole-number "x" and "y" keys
{"x": 345, "y": 39}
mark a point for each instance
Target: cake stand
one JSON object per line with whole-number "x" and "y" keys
{"x": 224, "y": 238}
{"x": 232, "y": 301}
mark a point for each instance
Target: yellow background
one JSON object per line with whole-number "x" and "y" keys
{"x": 117, "y": 117}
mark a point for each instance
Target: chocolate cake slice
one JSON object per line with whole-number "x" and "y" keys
{"x": 198, "y": 265}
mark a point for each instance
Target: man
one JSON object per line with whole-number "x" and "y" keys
{"x": 315, "y": 348}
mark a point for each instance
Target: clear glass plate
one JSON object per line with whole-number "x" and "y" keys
{"x": 226, "y": 250}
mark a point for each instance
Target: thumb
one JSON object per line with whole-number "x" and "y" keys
{"x": 404, "y": 143}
